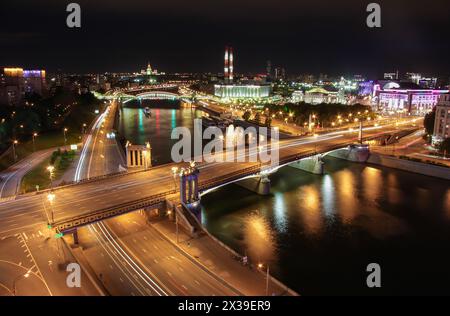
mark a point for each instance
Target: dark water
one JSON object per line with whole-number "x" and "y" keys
{"x": 157, "y": 128}
{"x": 319, "y": 233}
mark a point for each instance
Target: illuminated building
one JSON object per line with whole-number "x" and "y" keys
{"x": 442, "y": 120}
{"x": 17, "y": 81}
{"x": 231, "y": 90}
{"x": 242, "y": 90}
{"x": 319, "y": 95}
{"x": 404, "y": 96}
{"x": 34, "y": 81}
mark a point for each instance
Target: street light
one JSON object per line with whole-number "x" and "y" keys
{"x": 34, "y": 145}
{"x": 51, "y": 169}
{"x": 51, "y": 197}
{"x": 26, "y": 275}
{"x": 15, "y": 142}
{"x": 260, "y": 266}
{"x": 65, "y": 138}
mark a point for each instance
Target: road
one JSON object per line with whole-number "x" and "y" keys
{"x": 128, "y": 256}
{"x": 26, "y": 210}
{"x": 130, "y": 275}
{"x": 10, "y": 178}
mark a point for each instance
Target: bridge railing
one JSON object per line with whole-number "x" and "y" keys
{"x": 101, "y": 214}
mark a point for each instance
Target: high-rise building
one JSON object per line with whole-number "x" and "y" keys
{"x": 269, "y": 69}
{"x": 17, "y": 81}
{"x": 391, "y": 75}
{"x": 34, "y": 81}
{"x": 280, "y": 73}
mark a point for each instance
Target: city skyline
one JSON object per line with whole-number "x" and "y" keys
{"x": 224, "y": 149}
{"x": 323, "y": 37}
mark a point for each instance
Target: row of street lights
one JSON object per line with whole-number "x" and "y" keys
{"x": 34, "y": 135}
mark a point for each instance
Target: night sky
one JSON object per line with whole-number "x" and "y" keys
{"x": 319, "y": 36}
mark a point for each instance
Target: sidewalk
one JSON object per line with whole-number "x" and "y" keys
{"x": 220, "y": 261}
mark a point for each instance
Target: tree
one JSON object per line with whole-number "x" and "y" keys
{"x": 444, "y": 147}
{"x": 257, "y": 117}
{"x": 428, "y": 122}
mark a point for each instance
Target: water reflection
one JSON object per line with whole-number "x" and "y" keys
{"x": 258, "y": 237}
{"x": 156, "y": 129}
{"x": 346, "y": 195}
{"x": 319, "y": 231}
{"x": 309, "y": 208}
{"x": 280, "y": 212}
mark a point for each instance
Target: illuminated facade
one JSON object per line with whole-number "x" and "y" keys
{"x": 34, "y": 81}
{"x": 17, "y": 81}
{"x": 242, "y": 91}
{"x": 393, "y": 98}
{"x": 442, "y": 120}
{"x": 319, "y": 95}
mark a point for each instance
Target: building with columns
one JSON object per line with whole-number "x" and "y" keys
{"x": 442, "y": 120}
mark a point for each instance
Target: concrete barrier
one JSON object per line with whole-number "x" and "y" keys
{"x": 411, "y": 166}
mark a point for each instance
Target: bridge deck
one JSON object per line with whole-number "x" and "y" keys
{"x": 92, "y": 201}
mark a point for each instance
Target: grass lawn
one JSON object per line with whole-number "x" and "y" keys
{"x": 40, "y": 176}
{"x": 44, "y": 141}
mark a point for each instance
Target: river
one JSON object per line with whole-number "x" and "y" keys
{"x": 319, "y": 233}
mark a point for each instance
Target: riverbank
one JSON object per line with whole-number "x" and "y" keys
{"x": 218, "y": 258}
{"x": 409, "y": 165}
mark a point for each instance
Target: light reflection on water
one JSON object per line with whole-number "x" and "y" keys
{"x": 318, "y": 233}
{"x": 156, "y": 129}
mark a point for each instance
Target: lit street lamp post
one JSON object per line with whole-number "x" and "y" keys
{"x": 34, "y": 144}
{"x": 267, "y": 277}
{"x": 15, "y": 142}
{"x": 65, "y": 138}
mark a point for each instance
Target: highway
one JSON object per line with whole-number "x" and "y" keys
{"x": 129, "y": 256}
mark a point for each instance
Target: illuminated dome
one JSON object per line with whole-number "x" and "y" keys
{"x": 391, "y": 85}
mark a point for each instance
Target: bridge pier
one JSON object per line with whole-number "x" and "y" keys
{"x": 355, "y": 153}
{"x": 260, "y": 184}
{"x": 312, "y": 164}
{"x": 75, "y": 237}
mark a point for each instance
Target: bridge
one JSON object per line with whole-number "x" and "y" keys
{"x": 152, "y": 92}
{"x": 97, "y": 199}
